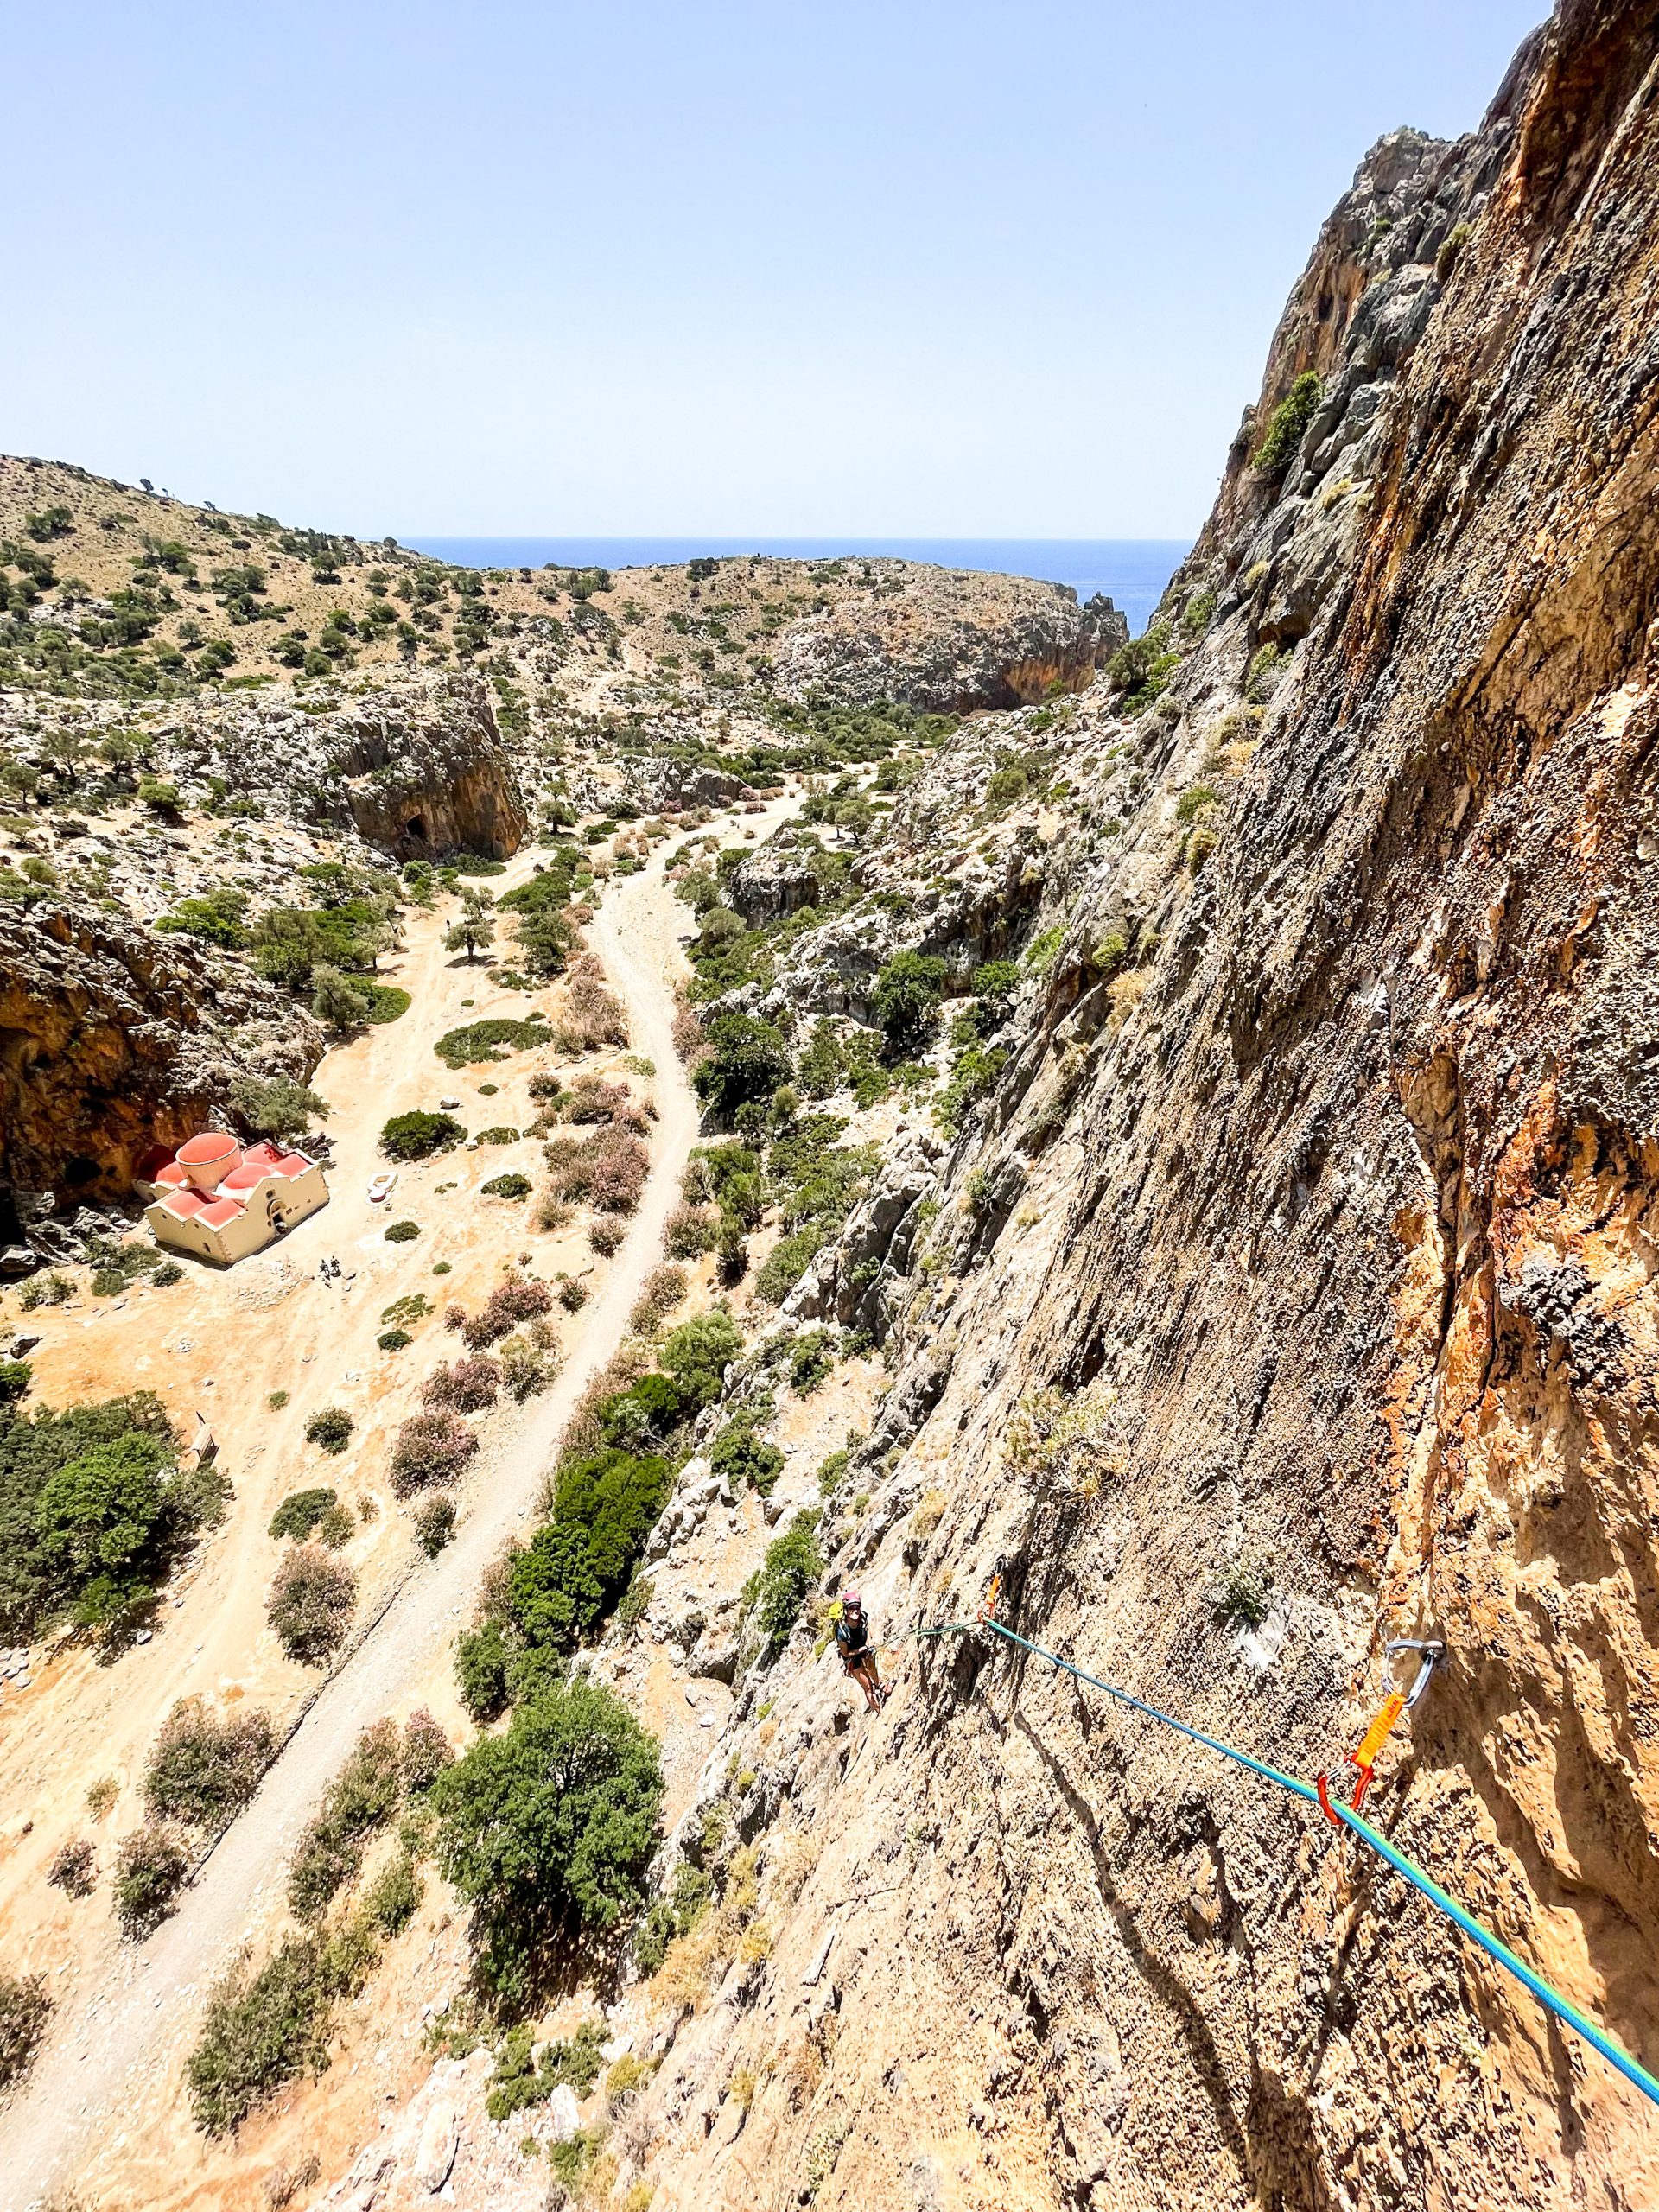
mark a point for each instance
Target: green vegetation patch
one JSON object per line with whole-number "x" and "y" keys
{"x": 485, "y": 1040}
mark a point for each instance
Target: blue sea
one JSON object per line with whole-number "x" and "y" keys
{"x": 1131, "y": 571}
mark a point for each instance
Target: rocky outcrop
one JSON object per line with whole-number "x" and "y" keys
{"x": 112, "y": 1041}
{"x": 424, "y": 770}
{"x": 930, "y": 637}
{"x": 413, "y": 763}
{"x": 1336, "y": 1130}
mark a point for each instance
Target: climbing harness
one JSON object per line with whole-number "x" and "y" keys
{"x": 1370, "y": 1750}
{"x": 1348, "y": 1816}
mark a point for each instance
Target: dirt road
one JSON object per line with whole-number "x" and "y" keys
{"x": 115, "y": 2053}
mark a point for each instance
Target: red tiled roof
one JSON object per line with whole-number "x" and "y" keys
{"x": 293, "y": 1163}
{"x": 183, "y": 1205}
{"x": 261, "y": 1154}
{"x": 171, "y": 1178}
{"x": 247, "y": 1175}
{"x": 220, "y": 1211}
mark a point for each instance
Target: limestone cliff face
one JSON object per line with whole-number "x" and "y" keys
{"x": 424, "y": 770}
{"x": 113, "y": 1040}
{"x": 1321, "y": 1184}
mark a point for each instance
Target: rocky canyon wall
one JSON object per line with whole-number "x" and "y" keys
{"x": 1320, "y": 1186}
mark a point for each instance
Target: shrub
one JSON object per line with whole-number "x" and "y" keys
{"x": 689, "y": 1232}
{"x": 499, "y": 1134}
{"x": 775, "y": 1593}
{"x": 515, "y": 1299}
{"x": 481, "y": 1661}
{"x": 521, "y": 2080}
{"x": 50, "y": 1289}
{"x": 786, "y": 1262}
{"x": 906, "y": 996}
{"x": 264, "y": 2030}
{"x": 526, "y": 1367}
{"x": 156, "y": 792}
{"x": 811, "y": 1359}
{"x": 507, "y": 1186}
{"x": 434, "y": 1524}
{"x": 416, "y": 1136}
{"x": 298, "y": 1516}
{"x": 697, "y": 1354}
{"x": 573, "y": 1293}
{"x": 662, "y": 1289}
{"x": 169, "y": 1273}
{"x": 1288, "y": 425}
{"x": 394, "y": 1339}
{"x": 1242, "y": 1593}
{"x": 325, "y": 1861}
{"x": 427, "y": 1751}
{"x": 15, "y": 1375}
{"x": 577, "y": 1566}
{"x": 402, "y": 1232}
{"x": 1195, "y": 800}
{"x": 150, "y": 1871}
{"x": 74, "y": 1868}
{"x": 430, "y": 1448}
{"x": 312, "y": 1597}
{"x": 362, "y": 1798}
{"x": 606, "y": 1236}
{"x": 468, "y": 1387}
{"x": 394, "y": 1896}
{"x": 25, "y": 2010}
{"x": 485, "y": 1040}
{"x": 550, "y": 1825}
{"x": 203, "y": 1770}
{"x": 995, "y": 981}
{"x": 330, "y": 1429}
{"x": 741, "y": 1456}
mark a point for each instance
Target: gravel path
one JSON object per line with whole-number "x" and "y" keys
{"x": 114, "y": 2053}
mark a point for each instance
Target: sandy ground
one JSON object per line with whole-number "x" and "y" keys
{"x": 108, "y": 2076}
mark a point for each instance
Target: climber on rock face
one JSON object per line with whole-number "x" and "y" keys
{"x": 857, "y": 1652}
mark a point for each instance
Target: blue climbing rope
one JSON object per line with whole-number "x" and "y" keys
{"x": 1336, "y": 1811}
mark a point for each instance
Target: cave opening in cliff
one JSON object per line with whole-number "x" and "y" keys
{"x": 415, "y": 828}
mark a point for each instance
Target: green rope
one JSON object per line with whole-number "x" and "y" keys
{"x": 1550, "y": 1998}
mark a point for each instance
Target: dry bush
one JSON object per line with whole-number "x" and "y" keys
{"x": 469, "y": 1387}
{"x": 150, "y": 1871}
{"x": 590, "y": 1098}
{"x": 203, "y": 1769}
{"x": 312, "y": 1597}
{"x": 591, "y": 1015}
{"x": 515, "y": 1299}
{"x": 284, "y": 2183}
{"x": 584, "y": 1433}
{"x": 427, "y": 1751}
{"x": 688, "y": 1037}
{"x": 25, "y": 2009}
{"x": 663, "y": 1288}
{"x": 690, "y": 1231}
{"x": 527, "y": 1367}
{"x": 573, "y": 1293}
{"x": 430, "y": 1448}
{"x": 1126, "y": 992}
{"x": 74, "y": 1868}
{"x": 621, "y": 1164}
{"x": 606, "y": 1236}
{"x": 550, "y": 1213}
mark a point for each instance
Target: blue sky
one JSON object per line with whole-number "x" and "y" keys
{"x": 930, "y": 267}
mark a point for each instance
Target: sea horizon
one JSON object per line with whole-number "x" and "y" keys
{"x": 1132, "y": 572}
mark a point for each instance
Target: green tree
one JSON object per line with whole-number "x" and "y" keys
{"x": 747, "y": 1059}
{"x": 549, "y": 1827}
{"x": 906, "y": 996}
{"x": 775, "y": 1593}
{"x": 697, "y": 1354}
{"x": 336, "y": 1000}
{"x": 476, "y": 926}
{"x": 97, "y": 1520}
{"x": 276, "y": 1106}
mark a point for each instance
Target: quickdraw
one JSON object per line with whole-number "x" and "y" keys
{"x": 1431, "y": 1651}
